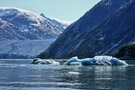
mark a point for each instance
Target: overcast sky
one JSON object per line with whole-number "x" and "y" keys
{"x": 69, "y": 10}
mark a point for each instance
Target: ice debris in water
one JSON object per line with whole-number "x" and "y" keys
{"x": 97, "y": 60}
{"x": 40, "y": 61}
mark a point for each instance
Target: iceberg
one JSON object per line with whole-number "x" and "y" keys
{"x": 72, "y": 60}
{"x": 40, "y": 61}
{"x": 97, "y": 60}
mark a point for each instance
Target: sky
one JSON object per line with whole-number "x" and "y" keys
{"x": 68, "y": 10}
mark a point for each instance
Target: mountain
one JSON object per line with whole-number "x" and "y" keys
{"x": 101, "y": 31}
{"x": 7, "y": 31}
{"x": 18, "y": 24}
{"x": 57, "y": 22}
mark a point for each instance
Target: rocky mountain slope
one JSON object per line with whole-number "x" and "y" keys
{"x": 106, "y": 27}
{"x": 18, "y": 24}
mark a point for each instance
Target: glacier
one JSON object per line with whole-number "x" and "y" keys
{"x": 97, "y": 60}
{"x": 29, "y": 48}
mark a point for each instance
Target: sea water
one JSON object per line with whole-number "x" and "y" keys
{"x": 21, "y": 75}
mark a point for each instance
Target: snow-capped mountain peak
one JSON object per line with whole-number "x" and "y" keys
{"x": 29, "y": 25}
{"x": 62, "y": 23}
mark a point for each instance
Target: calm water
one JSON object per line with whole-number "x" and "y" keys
{"x": 20, "y": 75}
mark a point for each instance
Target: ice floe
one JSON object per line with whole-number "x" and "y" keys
{"x": 40, "y": 61}
{"x": 97, "y": 60}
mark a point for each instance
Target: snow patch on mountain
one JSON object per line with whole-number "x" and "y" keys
{"x": 63, "y": 22}
{"x": 58, "y": 22}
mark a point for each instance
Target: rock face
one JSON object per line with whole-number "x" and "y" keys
{"x": 106, "y": 27}
{"x": 18, "y": 24}
{"x": 127, "y": 52}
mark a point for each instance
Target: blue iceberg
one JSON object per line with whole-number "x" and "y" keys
{"x": 97, "y": 60}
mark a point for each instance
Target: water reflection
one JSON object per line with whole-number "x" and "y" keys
{"x": 24, "y": 76}
{"x": 96, "y": 77}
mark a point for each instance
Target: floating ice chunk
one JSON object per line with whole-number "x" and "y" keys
{"x": 103, "y": 57}
{"x": 54, "y": 62}
{"x": 97, "y": 60}
{"x": 109, "y": 60}
{"x": 40, "y": 61}
{"x": 72, "y": 60}
{"x": 76, "y": 63}
{"x": 116, "y": 61}
{"x": 74, "y": 73}
{"x": 37, "y": 61}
